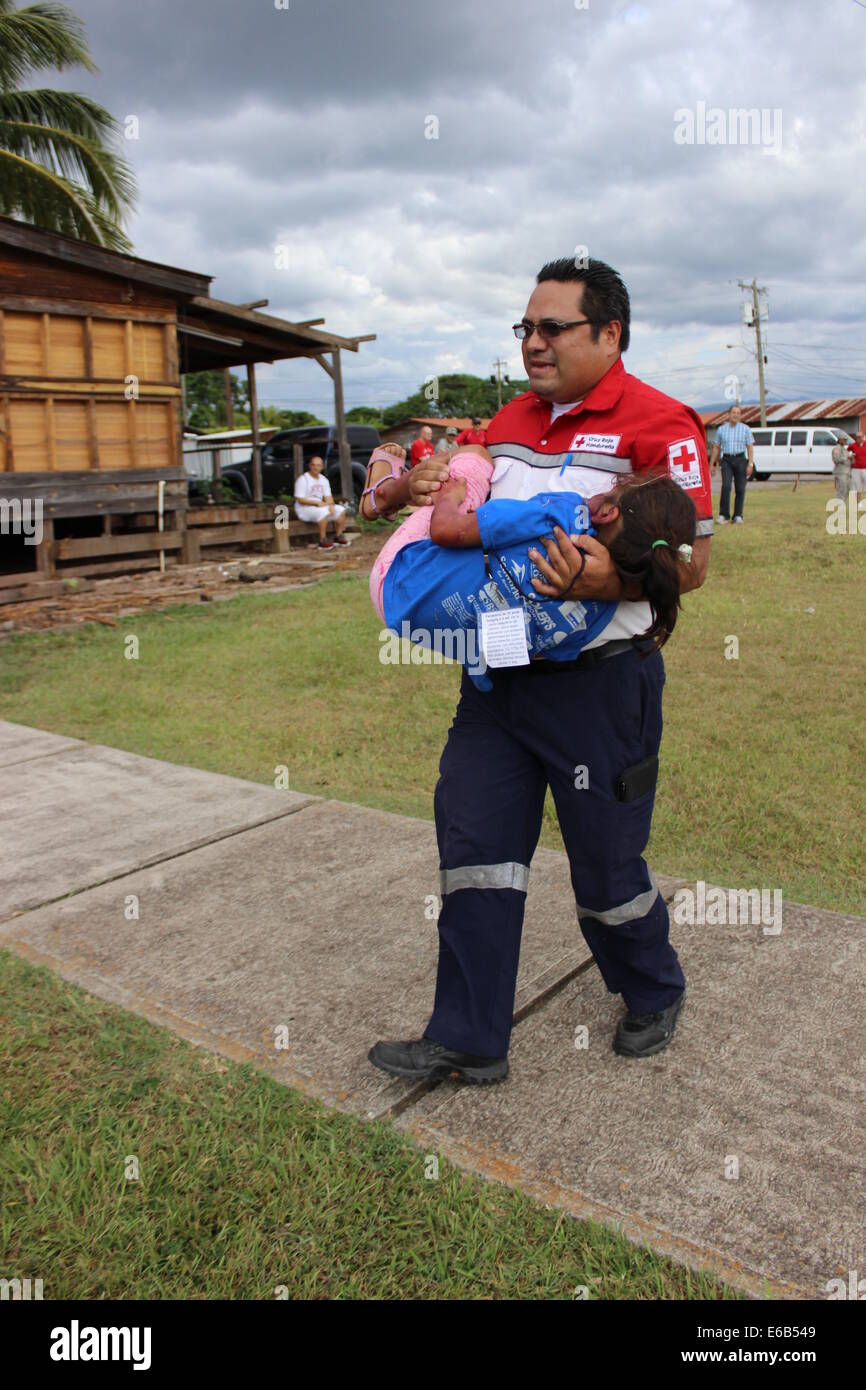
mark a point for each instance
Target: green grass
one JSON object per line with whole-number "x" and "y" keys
{"x": 761, "y": 781}
{"x": 245, "y": 1186}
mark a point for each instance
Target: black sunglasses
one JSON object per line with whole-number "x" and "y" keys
{"x": 548, "y": 328}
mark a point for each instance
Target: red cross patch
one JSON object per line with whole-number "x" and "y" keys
{"x": 684, "y": 464}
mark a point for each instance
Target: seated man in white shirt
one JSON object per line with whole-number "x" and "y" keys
{"x": 314, "y": 502}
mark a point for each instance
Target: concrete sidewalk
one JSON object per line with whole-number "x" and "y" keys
{"x": 292, "y": 932}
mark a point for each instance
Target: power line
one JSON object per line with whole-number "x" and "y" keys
{"x": 710, "y": 367}
{"x": 826, "y": 373}
{"x": 825, "y": 346}
{"x": 832, "y": 370}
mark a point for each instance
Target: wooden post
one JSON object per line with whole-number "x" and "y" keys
{"x": 172, "y": 369}
{"x": 216, "y": 475}
{"x": 346, "y": 483}
{"x": 190, "y": 553}
{"x": 254, "y": 421}
{"x": 45, "y": 550}
{"x": 92, "y": 435}
{"x": 7, "y": 428}
{"x": 88, "y": 347}
{"x": 132, "y": 431}
{"x": 45, "y": 339}
{"x": 297, "y": 464}
{"x": 230, "y": 412}
{"x": 50, "y": 432}
{"x": 127, "y": 348}
{"x": 281, "y": 540}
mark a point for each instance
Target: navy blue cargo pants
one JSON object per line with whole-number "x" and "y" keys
{"x": 575, "y": 730}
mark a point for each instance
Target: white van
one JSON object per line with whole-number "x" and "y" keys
{"x": 792, "y": 448}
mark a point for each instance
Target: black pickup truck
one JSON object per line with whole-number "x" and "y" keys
{"x": 278, "y": 457}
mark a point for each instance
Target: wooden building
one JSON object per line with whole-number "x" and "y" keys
{"x": 93, "y": 346}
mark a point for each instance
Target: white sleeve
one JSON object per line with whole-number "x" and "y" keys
{"x": 302, "y": 486}
{"x": 323, "y": 479}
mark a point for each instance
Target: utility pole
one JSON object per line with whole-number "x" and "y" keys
{"x": 499, "y": 364}
{"x": 346, "y": 482}
{"x": 254, "y": 421}
{"x": 756, "y": 310}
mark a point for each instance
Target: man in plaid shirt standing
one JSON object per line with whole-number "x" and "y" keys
{"x": 736, "y": 444}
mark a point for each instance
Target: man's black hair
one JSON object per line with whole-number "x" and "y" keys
{"x": 605, "y": 296}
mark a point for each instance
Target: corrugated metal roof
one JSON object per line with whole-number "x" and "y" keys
{"x": 830, "y": 409}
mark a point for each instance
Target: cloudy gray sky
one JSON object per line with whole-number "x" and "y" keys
{"x": 306, "y": 127}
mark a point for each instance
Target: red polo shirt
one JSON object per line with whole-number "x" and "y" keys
{"x": 621, "y": 426}
{"x": 472, "y": 436}
{"x": 420, "y": 450}
{"x": 858, "y": 454}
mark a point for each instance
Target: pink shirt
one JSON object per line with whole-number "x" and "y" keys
{"x": 477, "y": 472}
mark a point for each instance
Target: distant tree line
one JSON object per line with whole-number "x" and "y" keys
{"x": 456, "y": 394}
{"x": 206, "y": 405}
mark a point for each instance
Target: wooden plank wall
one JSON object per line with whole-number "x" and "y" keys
{"x": 87, "y": 386}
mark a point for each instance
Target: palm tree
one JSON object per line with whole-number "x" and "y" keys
{"x": 56, "y": 167}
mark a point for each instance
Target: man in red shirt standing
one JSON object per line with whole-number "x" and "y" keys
{"x": 422, "y": 447}
{"x": 857, "y": 450}
{"x": 475, "y": 435}
{"x": 589, "y": 729}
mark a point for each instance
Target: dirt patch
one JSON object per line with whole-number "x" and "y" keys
{"x": 61, "y": 604}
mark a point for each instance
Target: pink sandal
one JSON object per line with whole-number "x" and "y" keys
{"x": 381, "y": 455}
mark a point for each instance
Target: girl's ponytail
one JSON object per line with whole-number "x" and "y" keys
{"x": 658, "y": 529}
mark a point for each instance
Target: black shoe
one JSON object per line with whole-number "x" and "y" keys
{"x": 643, "y": 1035}
{"x": 425, "y": 1060}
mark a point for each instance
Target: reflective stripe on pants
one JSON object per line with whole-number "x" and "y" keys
{"x": 484, "y": 876}
{"x": 504, "y": 748}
